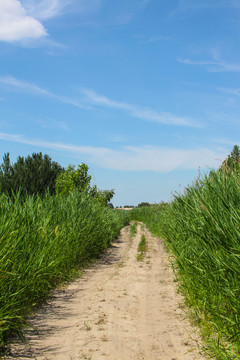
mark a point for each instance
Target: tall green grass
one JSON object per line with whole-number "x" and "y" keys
{"x": 202, "y": 227}
{"x": 41, "y": 242}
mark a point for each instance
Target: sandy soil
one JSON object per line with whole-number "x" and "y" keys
{"x": 121, "y": 309}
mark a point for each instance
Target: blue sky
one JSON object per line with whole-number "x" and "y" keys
{"x": 143, "y": 91}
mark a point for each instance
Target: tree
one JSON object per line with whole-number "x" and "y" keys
{"x": 72, "y": 179}
{"x": 104, "y": 196}
{"x": 34, "y": 174}
{"x": 79, "y": 179}
{"x": 6, "y": 175}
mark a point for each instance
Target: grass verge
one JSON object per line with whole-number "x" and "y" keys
{"x": 42, "y": 242}
{"x": 202, "y": 228}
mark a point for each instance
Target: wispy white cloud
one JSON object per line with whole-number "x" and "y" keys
{"x": 16, "y": 25}
{"x": 140, "y": 112}
{"x": 144, "y": 158}
{"x": 30, "y": 88}
{"x": 48, "y": 9}
{"x": 45, "y": 9}
{"x": 22, "y": 85}
{"x": 92, "y": 99}
{"x": 16, "y": 138}
{"x": 215, "y": 65}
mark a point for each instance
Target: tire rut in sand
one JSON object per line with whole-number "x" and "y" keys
{"x": 121, "y": 309}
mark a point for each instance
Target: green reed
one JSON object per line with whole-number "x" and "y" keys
{"x": 41, "y": 242}
{"x": 202, "y": 227}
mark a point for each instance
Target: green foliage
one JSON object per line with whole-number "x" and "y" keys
{"x": 6, "y": 175}
{"x": 80, "y": 180}
{"x": 42, "y": 240}
{"x": 72, "y": 179}
{"x": 104, "y": 196}
{"x": 202, "y": 227}
{"x": 35, "y": 174}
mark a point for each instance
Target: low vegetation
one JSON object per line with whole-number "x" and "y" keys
{"x": 133, "y": 229}
{"x": 202, "y": 228}
{"x": 142, "y": 247}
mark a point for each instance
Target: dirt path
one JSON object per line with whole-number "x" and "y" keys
{"x": 121, "y": 309}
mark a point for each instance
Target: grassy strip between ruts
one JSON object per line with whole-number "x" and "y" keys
{"x": 41, "y": 242}
{"x": 142, "y": 247}
{"x": 133, "y": 229}
{"x": 202, "y": 228}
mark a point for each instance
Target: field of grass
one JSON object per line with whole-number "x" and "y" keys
{"x": 42, "y": 242}
{"x": 202, "y": 228}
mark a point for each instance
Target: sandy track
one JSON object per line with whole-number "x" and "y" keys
{"x": 121, "y": 309}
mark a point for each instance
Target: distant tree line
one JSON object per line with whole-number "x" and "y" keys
{"x": 132, "y": 206}
{"x": 38, "y": 174}
{"x": 143, "y": 204}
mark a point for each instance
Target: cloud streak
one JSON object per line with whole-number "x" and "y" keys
{"x": 92, "y": 99}
{"x": 129, "y": 158}
{"x": 30, "y": 88}
{"x": 215, "y": 65}
{"x": 45, "y": 9}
